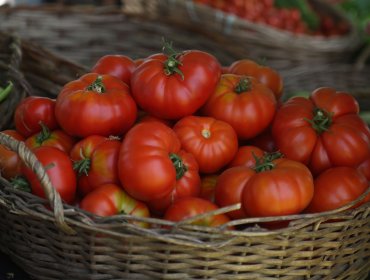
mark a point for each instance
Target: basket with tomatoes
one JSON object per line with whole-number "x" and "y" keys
{"x": 172, "y": 166}
{"x": 284, "y": 33}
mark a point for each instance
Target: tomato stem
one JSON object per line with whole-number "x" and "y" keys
{"x": 43, "y": 135}
{"x": 321, "y": 120}
{"x": 82, "y": 166}
{"x": 265, "y": 162}
{"x": 206, "y": 133}
{"x": 179, "y": 165}
{"x": 97, "y": 86}
{"x": 243, "y": 85}
{"x": 172, "y": 63}
{"x": 4, "y": 92}
{"x": 20, "y": 183}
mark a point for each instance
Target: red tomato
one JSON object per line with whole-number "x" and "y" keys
{"x": 246, "y": 155}
{"x": 56, "y": 138}
{"x": 230, "y": 186}
{"x": 247, "y": 105}
{"x": 59, "y": 168}
{"x": 279, "y": 187}
{"x": 189, "y": 207}
{"x": 150, "y": 163}
{"x": 32, "y": 111}
{"x": 214, "y": 143}
{"x": 187, "y": 185}
{"x": 95, "y": 105}
{"x": 207, "y": 187}
{"x": 364, "y": 168}
{"x": 177, "y": 85}
{"x": 323, "y": 131}
{"x": 110, "y": 199}
{"x": 264, "y": 74}
{"x": 10, "y": 162}
{"x": 95, "y": 161}
{"x": 120, "y": 66}
{"x": 336, "y": 187}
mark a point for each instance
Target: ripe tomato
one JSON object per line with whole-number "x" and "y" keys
{"x": 95, "y": 104}
{"x": 247, "y": 105}
{"x": 213, "y": 143}
{"x": 59, "y": 168}
{"x": 10, "y": 162}
{"x": 279, "y": 187}
{"x": 32, "y": 111}
{"x": 150, "y": 163}
{"x": 246, "y": 155}
{"x": 364, "y": 168}
{"x": 120, "y": 66}
{"x": 323, "y": 131}
{"x": 230, "y": 186}
{"x": 187, "y": 185}
{"x": 95, "y": 161}
{"x": 191, "y": 206}
{"x": 264, "y": 74}
{"x": 56, "y": 138}
{"x": 175, "y": 85}
{"x": 110, "y": 199}
{"x": 336, "y": 187}
{"x": 207, "y": 187}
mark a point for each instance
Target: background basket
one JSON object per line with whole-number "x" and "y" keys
{"x": 331, "y": 245}
{"x": 280, "y": 49}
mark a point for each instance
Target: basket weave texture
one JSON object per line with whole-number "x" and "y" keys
{"x": 281, "y": 49}
{"x": 67, "y": 243}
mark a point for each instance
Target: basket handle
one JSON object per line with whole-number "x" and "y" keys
{"x": 32, "y": 162}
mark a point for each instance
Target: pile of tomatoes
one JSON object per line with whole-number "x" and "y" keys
{"x": 296, "y": 16}
{"x": 176, "y": 135}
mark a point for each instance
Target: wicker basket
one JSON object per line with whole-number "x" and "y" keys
{"x": 67, "y": 243}
{"x": 280, "y": 49}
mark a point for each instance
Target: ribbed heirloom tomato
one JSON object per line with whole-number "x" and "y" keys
{"x": 174, "y": 85}
{"x": 243, "y": 102}
{"x": 95, "y": 104}
{"x": 10, "y": 162}
{"x": 323, "y": 131}
{"x": 150, "y": 163}
{"x": 212, "y": 142}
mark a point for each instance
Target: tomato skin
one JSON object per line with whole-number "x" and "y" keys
{"x": 10, "y": 162}
{"x": 345, "y": 143}
{"x": 145, "y": 168}
{"x": 111, "y": 199}
{"x": 207, "y": 187}
{"x": 120, "y": 66}
{"x": 264, "y": 141}
{"x": 246, "y": 156}
{"x": 249, "y": 112}
{"x": 57, "y": 139}
{"x": 190, "y": 206}
{"x": 264, "y": 74}
{"x": 230, "y": 186}
{"x": 284, "y": 190}
{"x": 364, "y": 168}
{"x": 214, "y": 143}
{"x": 169, "y": 96}
{"x": 102, "y": 156}
{"x": 336, "y": 187}
{"x": 59, "y": 169}
{"x": 82, "y": 112}
{"x": 32, "y": 111}
{"x": 187, "y": 185}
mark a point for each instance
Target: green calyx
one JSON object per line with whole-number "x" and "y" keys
{"x": 321, "y": 120}
{"x": 266, "y": 162}
{"x": 97, "y": 86}
{"x": 82, "y": 166}
{"x": 20, "y": 183}
{"x": 244, "y": 85}
{"x": 171, "y": 65}
{"x": 43, "y": 135}
{"x": 4, "y": 92}
{"x": 179, "y": 165}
